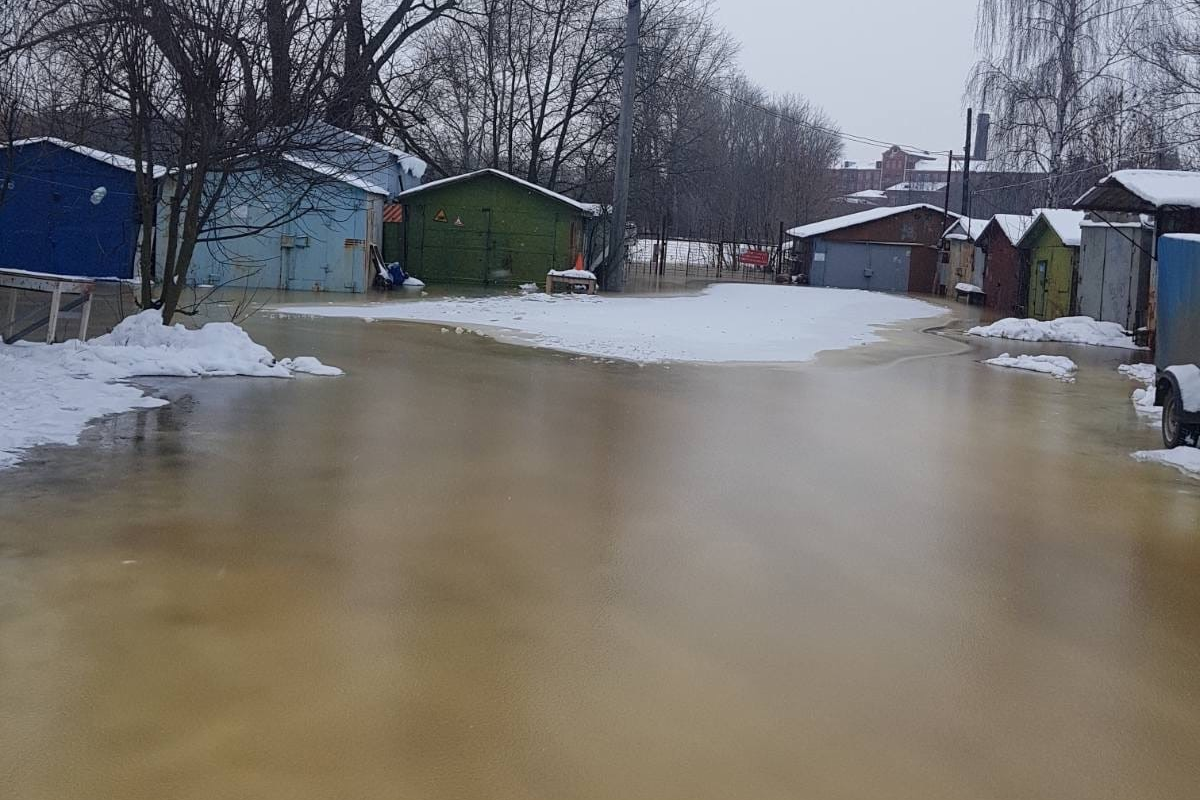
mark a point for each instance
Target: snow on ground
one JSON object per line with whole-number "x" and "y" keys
{"x": 1184, "y": 459}
{"x": 1060, "y": 367}
{"x": 1074, "y": 330}
{"x": 49, "y": 393}
{"x": 1143, "y": 399}
{"x": 724, "y": 323}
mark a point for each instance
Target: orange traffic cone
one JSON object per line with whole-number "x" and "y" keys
{"x": 579, "y": 261}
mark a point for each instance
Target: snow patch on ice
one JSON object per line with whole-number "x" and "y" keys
{"x": 1143, "y": 399}
{"x": 1060, "y": 367}
{"x": 309, "y": 366}
{"x": 724, "y": 323}
{"x": 49, "y": 393}
{"x": 1184, "y": 459}
{"x": 1073, "y": 330}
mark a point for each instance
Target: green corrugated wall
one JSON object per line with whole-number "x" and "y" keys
{"x": 487, "y": 230}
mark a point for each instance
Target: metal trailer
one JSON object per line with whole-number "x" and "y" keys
{"x": 1177, "y": 354}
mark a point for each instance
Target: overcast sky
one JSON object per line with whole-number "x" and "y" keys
{"x": 888, "y": 69}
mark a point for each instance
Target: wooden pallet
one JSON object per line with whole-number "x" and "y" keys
{"x": 56, "y": 286}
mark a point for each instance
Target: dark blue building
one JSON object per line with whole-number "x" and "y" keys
{"x": 67, "y": 210}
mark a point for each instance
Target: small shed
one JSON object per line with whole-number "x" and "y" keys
{"x": 886, "y": 249}
{"x": 1051, "y": 247}
{"x": 964, "y": 261}
{"x": 1114, "y": 270}
{"x": 296, "y": 225}
{"x": 1002, "y": 262}
{"x": 1171, "y": 196}
{"x": 68, "y": 210}
{"x": 309, "y": 220}
{"x": 492, "y": 228}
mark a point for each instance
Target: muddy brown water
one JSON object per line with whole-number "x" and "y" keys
{"x": 473, "y": 570}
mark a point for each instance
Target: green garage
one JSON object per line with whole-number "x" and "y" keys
{"x": 491, "y": 228}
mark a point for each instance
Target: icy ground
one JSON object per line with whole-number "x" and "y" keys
{"x": 1060, "y": 367}
{"x": 49, "y": 393}
{"x": 724, "y": 323}
{"x": 1075, "y": 330}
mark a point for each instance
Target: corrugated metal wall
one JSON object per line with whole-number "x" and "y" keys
{"x": 1114, "y": 274}
{"x": 49, "y": 222}
{"x": 1178, "y": 331}
{"x": 859, "y": 265}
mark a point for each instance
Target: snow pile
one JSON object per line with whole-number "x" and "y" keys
{"x": 309, "y": 366}
{"x": 529, "y": 288}
{"x": 572, "y": 273}
{"x": 1060, "y": 367}
{"x": 1075, "y": 330}
{"x": 1188, "y": 378}
{"x": 1143, "y": 399}
{"x": 414, "y": 283}
{"x": 969, "y": 288}
{"x": 50, "y": 392}
{"x": 724, "y": 323}
{"x": 1184, "y": 459}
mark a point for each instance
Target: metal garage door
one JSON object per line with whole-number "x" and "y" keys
{"x": 855, "y": 265}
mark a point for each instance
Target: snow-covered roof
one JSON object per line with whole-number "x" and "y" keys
{"x": 918, "y": 186}
{"x": 1143, "y": 221}
{"x": 408, "y": 162}
{"x": 112, "y": 159}
{"x": 1143, "y": 190}
{"x": 340, "y": 175}
{"x": 869, "y": 194}
{"x": 859, "y": 218}
{"x": 1063, "y": 221}
{"x": 592, "y": 209}
{"x": 1013, "y": 226}
{"x": 966, "y": 229}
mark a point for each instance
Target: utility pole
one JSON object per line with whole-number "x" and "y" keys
{"x": 614, "y": 273}
{"x": 966, "y": 201}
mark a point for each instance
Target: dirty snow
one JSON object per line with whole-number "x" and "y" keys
{"x": 724, "y": 323}
{"x": 1074, "y": 330}
{"x": 49, "y": 393}
{"x": 1184, "y": 459}
{"x": 1188, "y": 378}
{"x": 1060, "y": 367}
{"x": 1143, "y": 399}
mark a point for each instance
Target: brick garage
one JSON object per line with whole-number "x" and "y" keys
{"x": 883, "y": 249}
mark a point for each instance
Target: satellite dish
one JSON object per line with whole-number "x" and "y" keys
{"x": 98, "y": 195}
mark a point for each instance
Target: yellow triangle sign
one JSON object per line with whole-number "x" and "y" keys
{"x": 440, "y": 216}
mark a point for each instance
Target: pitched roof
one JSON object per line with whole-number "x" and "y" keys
{"x": 591, "y": 209}
{"x": 1065, "y": 223}
{"x": 859, "y": 218}
{"x": 1013, "y": 226}
{"x": 340, "y": 175}
{"x": 966, "y": 228}
{"x": 1143, "y": 190}
{"x": 112, "y": 159}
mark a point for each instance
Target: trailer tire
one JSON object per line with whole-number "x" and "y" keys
{"x": 1174, "y": 432}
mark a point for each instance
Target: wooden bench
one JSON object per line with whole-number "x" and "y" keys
{"x": 17, "y": 280}
{"x": 587, "y": 282}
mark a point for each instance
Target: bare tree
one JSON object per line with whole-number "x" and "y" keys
{"x": 1047, "y": 67}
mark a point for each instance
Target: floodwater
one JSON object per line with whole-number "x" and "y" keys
{"x": 473, "y": 570}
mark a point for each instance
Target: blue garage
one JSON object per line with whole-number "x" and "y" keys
{"x": 67, "y": 210}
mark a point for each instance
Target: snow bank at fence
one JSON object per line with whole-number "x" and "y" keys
{"x": 1059, "y": 367}
{"x": 49, "y": 393}
{"x": 1073, "y": 330}
{"x": 724, "y": 323}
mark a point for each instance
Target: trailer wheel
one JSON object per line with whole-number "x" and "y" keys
{"x": 1174, "y": 432}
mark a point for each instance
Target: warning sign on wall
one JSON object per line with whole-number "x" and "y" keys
{"x": 458, "y": 223}
{"x": 440, "y": 216}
